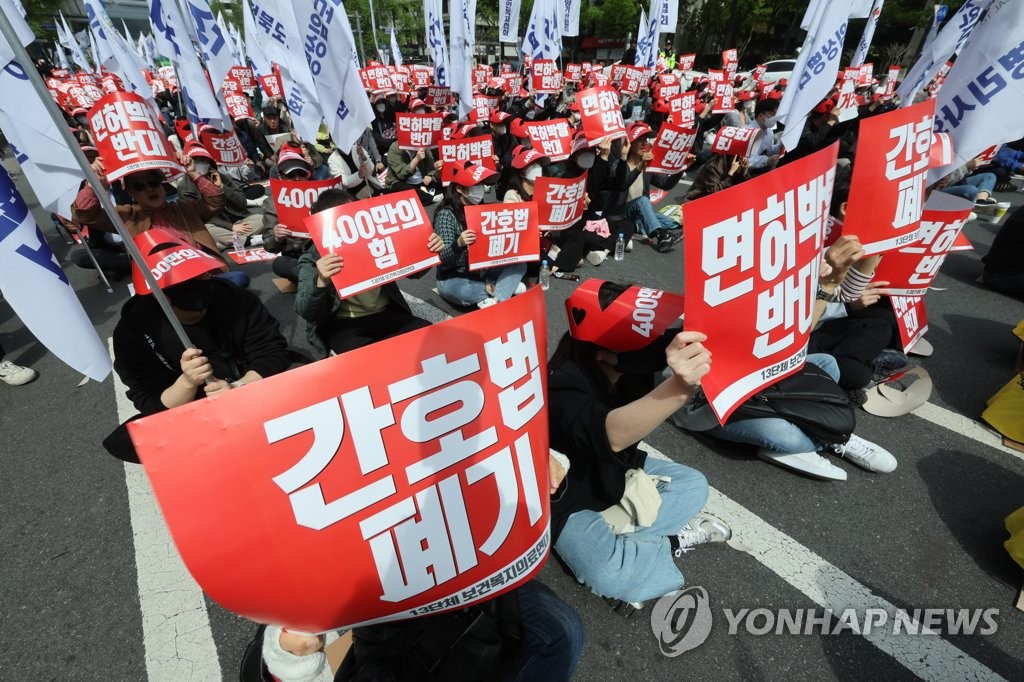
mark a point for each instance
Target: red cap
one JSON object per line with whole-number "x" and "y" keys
{"x": 783, "y": 82}
{"x": 416, "y": 102}
{"x": 614, "y": 328}
{"x": 194, "y": 150}
{"x": 523, "y": 157}
{"x": 468, "y": 174}
{"x": 290, "y": 158}
{"x": 825, "y": 107}
{"x": 499, "y": 117}
{"x": 518, "y": 127}
{"x": 579, "y": 142}
{"x": 745, "y": 95}
{"x": 170, "y": 259}
{"x": 636, "y": 130}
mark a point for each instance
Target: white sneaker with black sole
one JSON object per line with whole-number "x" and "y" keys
{"x": 16, "y": 375}
{"x": 701, "y": 529}
{"x": 866, "y": 455}
{"x": 810, "y": 463}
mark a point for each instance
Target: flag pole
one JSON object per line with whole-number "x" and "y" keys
{"x": 22, "y": 57}
{"x": 92, "y": 257}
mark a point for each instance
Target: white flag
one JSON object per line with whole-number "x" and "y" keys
{"x": 647, "y": 40}
{"x": 253, "y": 46}
{"x": 508, "y": 20}
{"x": 948, "y": 42}
{"x": 62, "y": 56}
{"x": 212, "y": 41}
{"x": 669, "y": 17}
{"x": 21, "y": 28}
{"x": 396, "y": 54}
{"x": 39, "y": 292}
{"x": 336, "y": 72}
{"x": 816, "y": 68}
{"x": 980, "y": 103}
{"x": 860, "y": 9}
{"x": 118, "y": 54}
{"x": 569, "y": 12}
{"x": 461, "y": 15}
{"x": 437, "y": 45}
{"x": 640, "y": 54}
{"x": 542, "y": 39}
{"x": 68, "y": 40}
{"x": 869, "y": 32}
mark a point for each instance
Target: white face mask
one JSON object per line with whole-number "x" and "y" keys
{"x": 202, "y": 166}
{"x": 474, "y": 194}
{"x": 586, "y": 160}
{"x": 533, "y": 172}
{"x": 770, "y": 122}
{"x": 499, "y": 130}
{"x": 381, "y": 107}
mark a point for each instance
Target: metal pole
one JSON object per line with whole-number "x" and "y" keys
{"x": 22, "y": 58}
{"x": 359, "y": 30}
{"x": 92, "y": 257}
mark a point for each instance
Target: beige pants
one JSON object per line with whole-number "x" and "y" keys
{"x": 223, "y": 236}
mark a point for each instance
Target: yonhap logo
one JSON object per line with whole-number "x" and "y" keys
{"x": 682, "y": 620}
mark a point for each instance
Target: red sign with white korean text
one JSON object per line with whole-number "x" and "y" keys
{"x": 294, "y": 198}
{"x": 887, "y": 188}
{"x": 418, "y": 131}
{"x": 596, "y": 79}
{"x": 381, "y": 238}
{"x": 231, "y": 86}
{"x": 111, "y": 83}
{"x": 421, "y": 76}
{"x": 683, "y": 109}
{"x": 892, "y": 76}
{"x": 725, "y": 100}
{"x": 376, "y": 78}
{"x": 479, "y": 150}
{"x": 752, "y": 254}
{"x": 390, "y": 510}
{"x": 758, "y": 73}
{"x": 657, "y": 195}
{"x": 400, "y": 77}
{"x": 245, "y": 77}
{"x": 911, "y": 319}
{"x": 257, "y": 255}
{"x": 505, "y": 68}
{"x": 551, "y": 138}
{"x": 618, "y": 72}
{"x": 911, "y": 269}
{"x": 684, "y": 62}
{"x": 129, "y": 137}
{"x": 271, "y": 85}
{"x": 559, "y": 201}
{"x": 671, "y": 149}
{"x": 715, "y": 77}
{"x": 226, "y": 148}
{"x": 438, "y": 96}
{"x": 729, "y": 58}
{"x": 505, "y": 233}
{"x": 480, "y": 75}
{"x": 735, "y": 141}
{"x": 545, "y": 76}
{"x": 633, "y": 79}
{"x": 158, "y": 85}
{"x": 573, "y": 72}
{"x": 865, "y": 73}
{"x": 239, "y": 106}
{"x": 601, "y": 113}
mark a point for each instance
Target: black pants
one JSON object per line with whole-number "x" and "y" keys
{"x": 356, "y": 332}
{"x": 114, "y": 263}
{"x": 287, "y": 267}
{"x": 426, "y": 197}
{"x": 854, "y": 343}
{"x": 576, "y": 242}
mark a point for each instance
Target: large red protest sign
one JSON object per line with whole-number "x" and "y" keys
{"x": 416, "y": 488}
{"x": 551, "y": 138}
{"x": 887, "y": 188}
{"x": 684, "y": 62}
{"x": 559, "y": 201}
{"x": 129, "y": 137}
{"x": 418, "y": 131}
{"x": 271, "y": 85}
{"x": 239, "y": 106}
{"x": 506, "y": 233}
{"x": 545, "y": 76}
{"x": 226, "y": 148}
{"x": 735, "y": 141}
{"x": 245, "y": 77}
{"x": 601, "y": 113}
{"x": 293, "y": 200}
{"x": 421, "y": 76}
{"x": 725, "y": 100}
{"x": 671, "y": 149}
{"x": 573, "y": 73}
{"x": 911, "y": 269}
{"x": 438, "y": 96}
{"x": 400, "y": 76}
{"x": 376, "y": 78}
{"x": 381, "y": 239}
{"x": 633, "y": 79}
{"x": 618, "y": 72}
{"x": 683, "y": 110}
{"x": 752, "y": 255}
{"x": 479, "y": 150}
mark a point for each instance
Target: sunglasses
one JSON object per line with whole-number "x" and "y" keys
{"x": 297, "y": 175}
{"x": 140, "y": 185}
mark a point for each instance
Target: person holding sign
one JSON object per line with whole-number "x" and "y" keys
{"x": 663, "y": 232}
{"x": 418, "y": 170}
{"x": 234, "y": 217}
{"x": 767, "y": 148}
{"x": 456, "y": 283}
{"x": 338, "y": 325}
{"x": 602, "y": 401}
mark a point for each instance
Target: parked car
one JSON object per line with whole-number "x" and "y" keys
{"x": 777, "y": 70}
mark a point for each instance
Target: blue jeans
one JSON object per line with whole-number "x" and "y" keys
{"x": 634, "y": 566}
{"x": 774, "y": 433}
{"x": 236, "y": 277}
{"x": 973, "y": 186}
{"x": 552, "y": 637}
{"x": 466, "y": 292}
{"x": 647, "y": 220}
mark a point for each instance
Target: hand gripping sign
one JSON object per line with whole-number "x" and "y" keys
{"x": 632, "y": 321}
{"x": 671, "y": 149}
{"x": 752, "y": 254}
{"x": 294, "y": 198}
{"x": 506, "y": 233}
{"x": 601, "y": 113}
{"x": 545, "y": 76}
{"x": 911, "y": 269}
{"x": 560, "y": 201}
{"x": 130, "y": 138}
{"x": 735, "y": 141}
{"x": 479, "y": 150}
{"x": 381, "y": 239}
{"x": 345, "y": 497}
{"x": 551, "y": 138}
{"x": 418, "y": 131}
{"x": 887, "y": 188}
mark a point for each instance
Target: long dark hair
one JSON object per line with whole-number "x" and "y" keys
{"x": 516, "y": 182}
{"x": 453, "y": 202}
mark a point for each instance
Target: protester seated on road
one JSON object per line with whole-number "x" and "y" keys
{"x": 456, "y": 283}
{"x": 602, "y": 400}
{"x": 235, "y": 216}
{"x": 1009, "y": 161}
{"x": 767, "y": 149}
{"x": 418, "y": 170}
{"x": 339, "y": 325}
{"x": 237, "y": 341}
{"x": 356, "y": 171}
{"x": 968, "y": 184}
{"x": 278, "y": 238}
{"x": 272, "y": 123}
{"x": 541, "y": 639}
{"x": 662, "y": 232}
{"x": 721, "y": 171}
{"x": 1004, "y": 262}
{"x": 743, "y": 112}
{"x": 185, "y": 218}
{"x": 108, "y": 250}
{"x": 257, "y": 149}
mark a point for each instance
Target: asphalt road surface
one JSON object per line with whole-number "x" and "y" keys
{"x": 91, "y": 589}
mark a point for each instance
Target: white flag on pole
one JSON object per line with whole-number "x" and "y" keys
{"x": 569, "y": 11}
{"x": 647, "y": 36}
{"x": 39, "y": 292}
{"x": 542, "y": 39}
{"x": 212, "y": 41}
{"x": 437, "y": 45}
{"x": 62, "y": 56}
{"x": 869, "y": 32}
{"x": 68, "y": 40}
{"x": 669, "y": 17}
{"x": 508, "y": 20}
{"x": 396, "y": 54}
{"x": 118, "y": 54}
{"x": 980, "y": 103}
{"x": 253, "y": 46}
{"x": 461, "y": 15}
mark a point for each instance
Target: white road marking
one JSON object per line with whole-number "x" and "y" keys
{"x": 175, "y": 625}
{"x": 965, "y": 426}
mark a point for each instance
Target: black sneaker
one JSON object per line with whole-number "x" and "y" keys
{"x": 887, "y": 363}
{"x": 626, "y": 609}
{"x": 988, "y": 201}
{"x": 667, "y": 241}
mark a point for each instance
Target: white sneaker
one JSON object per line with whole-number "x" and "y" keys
{"x": 438, "y": 198}
{"x": 487, "y": 302}
{"x": 629, "y": 246}
{"x": 702, "y": 529}
{"x": 16, "y": 375}
{"x": 866, "y": 455}
{"x": 810, "y": 463}
{"x": 520, "y": 289}
{"x": 972, "y": 216}
{"x": 595, "y": 258}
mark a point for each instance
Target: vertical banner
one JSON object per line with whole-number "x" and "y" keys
{"x": 752, "y": 254}
{"x": 507, "y": 233}
{"x": 559, "y": 201}
{"x": 434, "y": 514}
{"x": 601, "y": 113}
{"x": 418, "y": 131}
{"x": 887, "y": 188}
{"x": 382, "y": 239}
{"x": 508, "y": 21}
{"x": 551, "y": 138}
{"x": 671, "y": 149}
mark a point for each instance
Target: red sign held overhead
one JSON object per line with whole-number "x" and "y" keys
{"x": 758, "y": 73}
{"x": 725, "y": 101}
{"x": 683, "y": 109}
{"x": 618, "y": 72}
{"x": 865, "y": 74}
{"x": 633, "y": 80}
{"x": 891, "y": 78}
{"x": 752, "y": 257}
{"x": 551, "y": 138}
{"x": 671, "y": 149}
{"x": 729, "y": 59}
{"x": 546, "y": 77}
{"x": 382, "y": 239}
{"x": 377, "y": 78}
{"x": 506, "y": 233}
{"x": 480, "y": 75}
{"x": 559, "y": 201}
{"x": 129, "y": 137}
{"x": 422, "y": 76}
{"x": 438, "y": 96}
{"x": 293, "y": 200}
{"x": 239, "y": 106}
{"x": 271, "y": 85}
{"x": 231, "y": 86}
{"x": 245, "y": 76}
{"x": 479, "y": 150}
{"x": 735, "y": 141}
{"x": 601, "y": 113}
{"x": 226, "y": 148}
{"x": 573, "y": 72}
{"x": 887, "y": 188}
{"x": 434, "y": 513}
{"x": 684, "y": 62}
{"x": 418, "y": 131}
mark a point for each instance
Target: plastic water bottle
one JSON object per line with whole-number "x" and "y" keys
{"x": 545, "y": 276}
{"x": 620, "y": 248}
{"x": 237, "y": 241}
